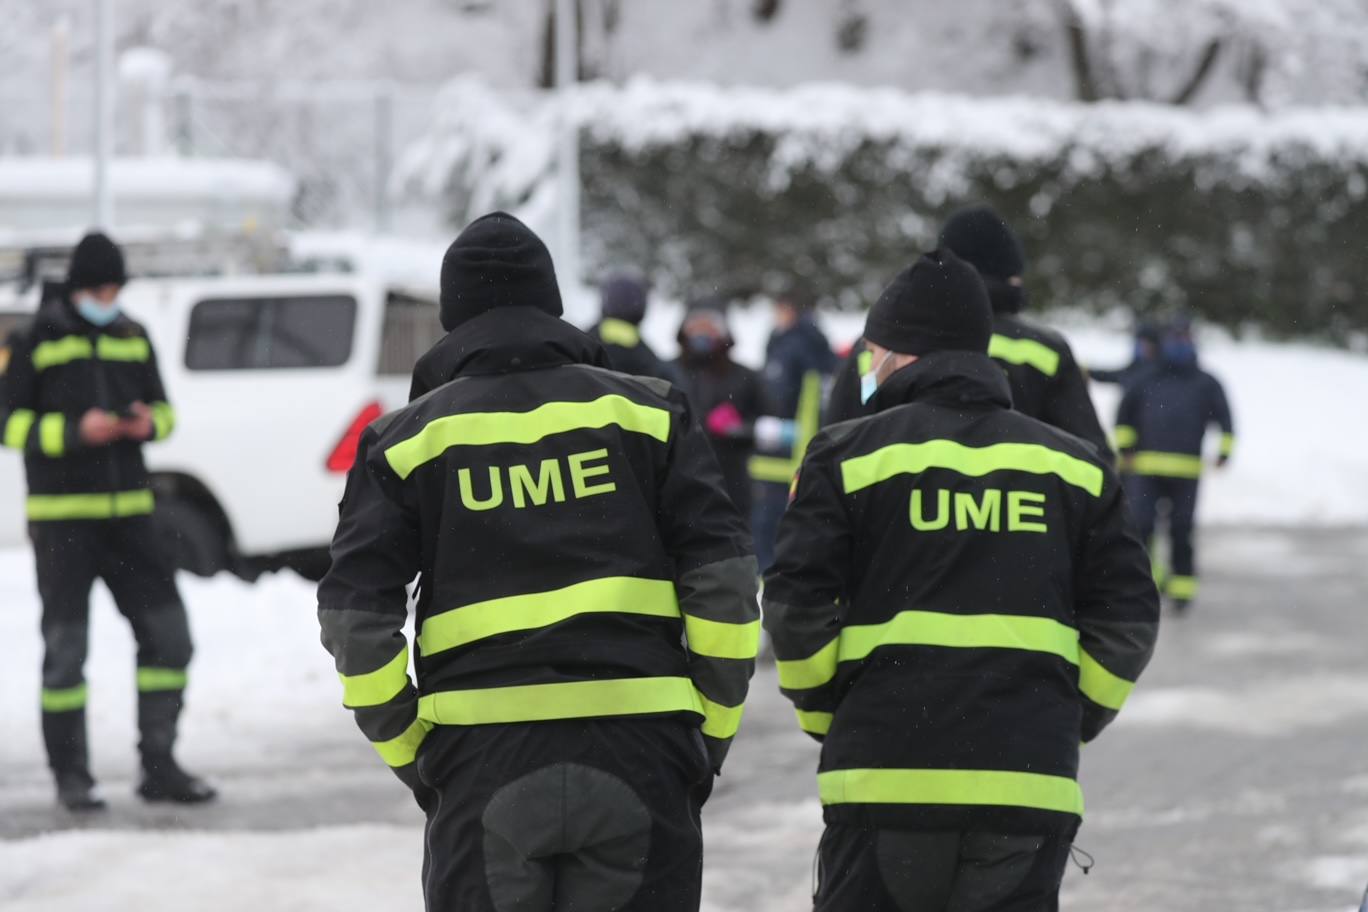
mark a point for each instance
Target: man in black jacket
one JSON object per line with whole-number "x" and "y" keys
{"x": 82, "y": 394}
{"x": 586, "y": 616}
{"x": 623, "y": 299}
{"x": 957, "y": 602}
{"x": 1163, "y": 418}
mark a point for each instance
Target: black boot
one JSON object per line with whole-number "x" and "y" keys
{"x": 164, "y": 780}
{"x": 64, "y": 734}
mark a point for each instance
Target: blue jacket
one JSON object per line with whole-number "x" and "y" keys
{"x": 1165, "y": 414}
{"x": 790, "y": 355}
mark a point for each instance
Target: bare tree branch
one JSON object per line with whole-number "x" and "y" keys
{"x": 1199, "y": 76}
{"x": 1080, "y": 56}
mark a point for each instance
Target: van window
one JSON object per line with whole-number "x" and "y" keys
{"x": 412, "y": 326}
{"x": 271, "y": 333}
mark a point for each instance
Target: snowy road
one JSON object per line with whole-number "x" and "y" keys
{"x": 1237, "y": 777}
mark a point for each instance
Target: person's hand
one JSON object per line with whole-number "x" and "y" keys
{"x": 98, "y": 428}
{"x": 1127, "y": 463}
{"x": 725, "y": 421}
{"x": 140, "y": 426}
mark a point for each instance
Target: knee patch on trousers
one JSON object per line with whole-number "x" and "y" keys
{"x": 64, "y": 655}
{"x": 164, "y": 639}
{"x": 566, "y": 834}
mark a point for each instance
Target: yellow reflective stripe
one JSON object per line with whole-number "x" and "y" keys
{"x": 403, "y": 750}
{"x": 569, "y": 700}
{"x": 945, "y": 786}
{"x": 52, "y": 434}
{"x": 720, "y": 640}
{"x": 771, "y": 468}
{"x": 1125, "y": 437}
{"x": 61, "y": 351}
{"x": 17, "y": 428}
{"x": 486, "y": 428}
{"x": 619, "y": 332}
{"x": 108, "y": 348}
{"x": 896, "y": 459}
{"x": 154, "y": 679}
{"x": 814, "y": 723}
{"x": 613, "y": 594}
{"x": 163, "y": 419}
{"x": 1167, "y": 465}
{"x": 865, "y": 361}
{"x": 64, "y": 700}
{"x": 1181, "y": 587}
{"x": 1024, "y": 351}
{"x": 814, "y": 671}
{"x": 1100, "y": 685}
{"x": 376, "y": 687}
{"x": 42, "y": 507}
{"x": 720, "y": 721}
{"x": 1227, "y": 444}
{"x": 961, "y": 631}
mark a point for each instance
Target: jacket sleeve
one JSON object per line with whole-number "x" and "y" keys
{"x": 363, "y": 607}
{"x": 715, "y": 578}
{"x": 1116, "y": 607}
{"x": 806, "y": 588}
{"x": 1219, "y": 414}
{"x": 163, "y": 415}
{"x": 22, "y": 426}
{"x": 1127, "y": 420}
{"x": 1070, "y": 407}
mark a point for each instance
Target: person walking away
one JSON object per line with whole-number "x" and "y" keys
{"x": 82, "y": 395}
{"x": 1046, "y": 381}
{"x": 623, "y": 299}
{"x": 1160, "y": 427}
{"x": 586, "y": 616}
{"x": 798, "y": 362}
{"x": 726, "y": 395}
{"x": 957, "y": 601}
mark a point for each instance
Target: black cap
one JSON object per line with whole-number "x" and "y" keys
{"x": 497, "y": 261}
{"x": 96, "y": 261}
{"x": 623, "y": 297}
{"x": 980, "y": 237}
{"x": 937, "y": 304}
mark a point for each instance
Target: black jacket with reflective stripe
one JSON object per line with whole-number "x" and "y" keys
{"x": 571, "y": 534}
{"x": 1169, "y": 408}
{"x": 59, "y": 368}
{"x": 957, "y": 601}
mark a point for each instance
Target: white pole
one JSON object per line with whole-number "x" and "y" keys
{"x": 104, "y": 112}
{"x": 61, "y": 62}
{"x": 567, "y": 63}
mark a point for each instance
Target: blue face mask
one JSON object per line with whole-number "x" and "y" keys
{"x": 1179, "y": 352}
{"x": 869, "y": 381}
{"x": 96, "y": 313}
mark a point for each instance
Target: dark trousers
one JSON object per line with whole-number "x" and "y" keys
{"x": 771, "y": 500}
{"x": 126, "y": 554}
{"x": 573, "y": 816}
{"x": 1146, "y": 494}
{"x": 865, "y": 869}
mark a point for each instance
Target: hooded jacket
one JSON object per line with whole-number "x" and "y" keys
{"x": 61, "y": 367}
{"x": 576, "y": 555}
{"x": 1165, "y": 414}
{"x": 957, "y": 601}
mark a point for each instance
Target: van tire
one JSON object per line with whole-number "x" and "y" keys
{"x": 191, "y": 536}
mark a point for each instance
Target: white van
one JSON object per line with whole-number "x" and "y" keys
{"x": 273, "y": 378}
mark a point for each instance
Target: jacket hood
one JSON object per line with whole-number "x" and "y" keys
{"x": 955, "y": 378}
{"x": 503, "y": 341}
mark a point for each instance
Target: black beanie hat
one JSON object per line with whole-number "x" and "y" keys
{"x": 979, "y": 236}
{"x": 96, "y": 261}
{"x": 623, "y": 297}
{"x": 497, "y": 261}
{"x": 937, "y": 304}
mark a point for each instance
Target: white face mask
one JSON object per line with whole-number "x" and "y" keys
{"x": 869, "y": 382}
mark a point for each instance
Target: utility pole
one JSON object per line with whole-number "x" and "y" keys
{"x": 104, "y": 112}
{"x": 568, "y": 210}
{"x": 61, "y": 64}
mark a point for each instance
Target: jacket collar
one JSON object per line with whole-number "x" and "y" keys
{"x": 954, "y": 378}
{"x": 503, "y": 341}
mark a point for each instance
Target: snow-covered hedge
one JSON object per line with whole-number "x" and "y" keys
{"x": 1240, "y": 216}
